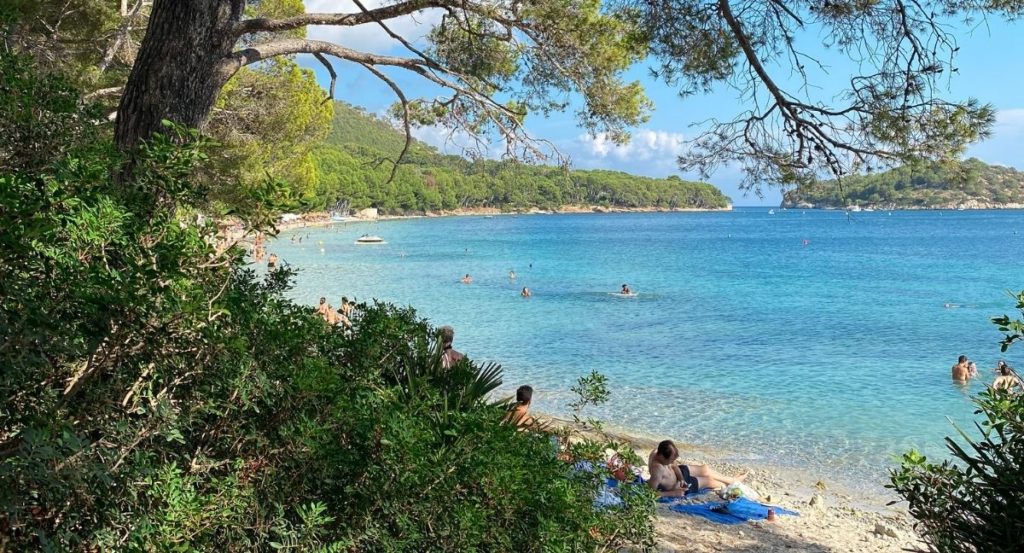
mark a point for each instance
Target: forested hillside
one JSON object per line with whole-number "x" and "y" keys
{"x": 350, "y": 172}
{"x": 971, "y": 184}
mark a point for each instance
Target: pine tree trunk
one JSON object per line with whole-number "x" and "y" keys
{"x": 176, "y": 75}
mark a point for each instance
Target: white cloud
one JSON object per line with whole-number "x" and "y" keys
{"x": 370, "y": 37}
{"x": 1009, "y": 122}
{"x": 643, "y": 145}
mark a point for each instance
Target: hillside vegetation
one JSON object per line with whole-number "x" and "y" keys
{"x": 972, "y": 184}
{"x": 352, "y": 169}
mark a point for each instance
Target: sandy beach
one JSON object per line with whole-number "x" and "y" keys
{"x": 832, "y": 519}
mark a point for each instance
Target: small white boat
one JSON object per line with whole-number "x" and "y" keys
{"x": 370, "y": 239}
{"x": 771, "y": 212}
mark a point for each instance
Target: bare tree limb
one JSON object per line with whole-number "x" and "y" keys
{"x": 121, "y": 34}
{"x": 263, "y": 25}
{"x": 407, "y": 126}
{"x": 330, "y": 70}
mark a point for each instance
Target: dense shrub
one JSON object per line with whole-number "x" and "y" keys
{"x": 159, "y": 396}
{"x": 974, "y": 501}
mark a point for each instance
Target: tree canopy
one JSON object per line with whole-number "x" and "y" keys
{"x": 501, "y": 61}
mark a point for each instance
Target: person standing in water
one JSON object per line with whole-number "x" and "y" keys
{"x": 960, "y": 371}
{"x": 511, "y": 275}
{"x": 467, "y": 279}
{"x": 1006, "y": 379}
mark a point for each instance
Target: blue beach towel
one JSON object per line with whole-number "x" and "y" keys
{"x": 740, "y": 510}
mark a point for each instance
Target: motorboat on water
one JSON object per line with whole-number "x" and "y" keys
{"x": 370, "y": 239}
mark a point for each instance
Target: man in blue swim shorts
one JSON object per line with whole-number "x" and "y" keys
{"x": 669, "y": 478}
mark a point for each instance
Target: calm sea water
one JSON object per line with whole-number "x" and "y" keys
{"x": 804, "y": 338}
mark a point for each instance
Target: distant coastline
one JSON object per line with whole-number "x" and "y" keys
{"x": 973, "y": 205}
{"x": 323, "y": 218}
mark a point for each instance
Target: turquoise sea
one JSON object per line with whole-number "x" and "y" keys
{"x": 813, "y": 339}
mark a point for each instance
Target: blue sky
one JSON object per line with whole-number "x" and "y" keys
{"x": 990, "y": 62}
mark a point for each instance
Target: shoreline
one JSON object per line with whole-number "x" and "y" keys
{"x": 832, "y": 517}
{"x": 323, "y": 218}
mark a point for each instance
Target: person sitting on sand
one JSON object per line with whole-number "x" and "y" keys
{"x": 520, "y": 413}
{"x": 448, "y": 355}
{"x": 272, "y": 261}
{"x": 1006, "y": 379}
{"x": 625, "y": 290}
{"x": 526, "y": 292}
{"x": 960, "y": 371}
{"x": 670, "y": 479}
{"x": 467, "y": 279}
{"x": 323, "y": 308}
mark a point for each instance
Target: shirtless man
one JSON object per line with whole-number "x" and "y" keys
{"x": 1006, "y": 379}
{"x": 448, "y": 356}
{"x": 346, "y": 307}
{"x": 960, "y": 371}
{"x": 520, "y": 414}
{"x": 467, "y": 279}
{"x": 669, "y": 479}
{"x": 323, "y": 309}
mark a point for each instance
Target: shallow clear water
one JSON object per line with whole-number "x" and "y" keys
{"x": 829, "y": 354}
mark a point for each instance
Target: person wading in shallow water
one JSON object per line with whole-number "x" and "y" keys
{"x": 960, "y": 371}
{"x": 449, "y": 356}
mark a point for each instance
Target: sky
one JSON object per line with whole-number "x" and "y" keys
{"x": 991, "y": 68}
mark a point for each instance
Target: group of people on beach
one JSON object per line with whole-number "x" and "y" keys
{"x": 340, "y": 316}
{"x": 668, "y": 477}
{"x": 1006, "y": 377}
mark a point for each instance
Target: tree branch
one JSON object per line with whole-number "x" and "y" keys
{"x": 263, "y": 25}
{"x": 330, "y": 70}
{"x": 407, "y": 126}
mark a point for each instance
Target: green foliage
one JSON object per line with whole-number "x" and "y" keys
{"x": 593, "y": 390}
{"x": 1012, "y": 329}
{"x": 160, "y": 397}
{"x": 351, "y": 172}
{"x": 973, "y": 502}
{"x": 269, "y": 119}
{"x": 935, "y": 185}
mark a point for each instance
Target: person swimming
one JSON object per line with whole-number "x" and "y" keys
{"x": 526, "y": 292}
{"x": 625, "y": 290}
{"x": 511, "y": 275}
{"x": 467, "y": 279}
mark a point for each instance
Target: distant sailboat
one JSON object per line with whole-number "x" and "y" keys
{"x": 771, "y": 212}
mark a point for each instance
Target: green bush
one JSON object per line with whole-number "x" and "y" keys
{"x": 974, "y": 501}
{"x": 161, "y": 397}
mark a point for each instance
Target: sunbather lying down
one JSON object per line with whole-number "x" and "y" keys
{"x": 671, "y": 479}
